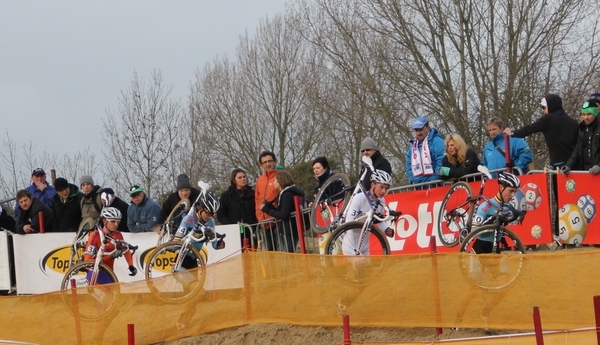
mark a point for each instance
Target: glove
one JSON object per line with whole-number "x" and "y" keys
{"x": 444, "y": 171}
{"x": 133, "y": 271}
{"x": 565, "y": 170}
{"x": 595, "y": 170}
{"x": 218, "y": 244}
{"x": 389, "y": 232}
{"x": 209, "y": 233}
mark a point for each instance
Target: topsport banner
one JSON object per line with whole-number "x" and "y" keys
{"x": 420, "y": 212}
{"x": 577, "y": 223}
{"x": 41, "y": 260}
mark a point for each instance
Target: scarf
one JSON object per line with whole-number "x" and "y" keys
{"x": 421, "y": 161}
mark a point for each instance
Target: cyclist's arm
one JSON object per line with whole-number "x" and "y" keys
{"x": 92, "y": 246}
{"x": 128, "y": 256}
{"x": 484, "y": 213}
{"x": 187, "y": 223}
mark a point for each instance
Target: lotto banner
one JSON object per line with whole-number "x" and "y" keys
{"x": 577, "y": 223}
{"x": 421, "y": 211}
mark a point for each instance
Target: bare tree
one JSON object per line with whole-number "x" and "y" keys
{"x": 144, "y": 137}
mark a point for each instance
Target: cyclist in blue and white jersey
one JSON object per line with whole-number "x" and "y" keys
{"x": 361, "y": 204}
{"x": 508, "y": 184}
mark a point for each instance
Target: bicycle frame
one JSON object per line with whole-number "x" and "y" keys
{"x": 369, "y": 218}
{"x": 104, "y": 238}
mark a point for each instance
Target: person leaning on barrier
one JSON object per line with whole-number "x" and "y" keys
{"x": 287, "y": 235}
{"x": 108, "y": 198}
{"x": 494, "y": 156}
{"x": 7, "y": 222}
{"x": 65, "y": 205}
{"x": 586, "y": 155}
{"x": 559, "y": 129}
{"x": 28, "y": 221}
{"x": 459, "y": 160}
{"x": 425, "y": 153}
{"x": 90, "y": 203}
{"x": 265, "y": 188}
{"x": 369, "y": 148}
{"x": 237, "y": 202}
{"x": 184, "y": 190}
{"x": 143, "y": 212}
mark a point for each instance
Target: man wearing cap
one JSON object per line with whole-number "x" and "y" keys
{"x": 425, "y": 154}
{"x": 39, "y": 189}
{"x": 369, "y": 148}
{"x": 65, "y": 205}
{"x": 143, "y": 213}
{"x": 559, "y": 129}
{"x": 586, "y": 155}
{"x": 494, "y": 156}
{"x": 184, "y": 190}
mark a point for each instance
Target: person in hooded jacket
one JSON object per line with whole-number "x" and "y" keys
{"x": 65, "y": 205}
{"x": 425, "y": 153}
{"x": 586, "y": 155}
{"x": 91, "y": 203}
{"x": 369, "y": 148}
{"x": 559, "y": 129}
{"x": 184, "y": 190}
{"x": 108, "y": 198}
{"x": 287, "y": 233}
{"x": 237, "y": 202}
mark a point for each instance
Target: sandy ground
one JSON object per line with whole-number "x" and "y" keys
{"x": 299, "y": 335}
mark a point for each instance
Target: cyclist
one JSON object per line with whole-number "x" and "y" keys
{"x": 362, "y": 203}
{"x": 110, "y": 218}
{"x": 206, "y": 208}
{"x": 508, "y": 184}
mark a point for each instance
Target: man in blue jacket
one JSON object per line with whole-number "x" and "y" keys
{"x": 143, "y": 213}
{"x": 425, "y": 153}
{"x": 494, "y": 152}
{"x": 40, "y": 189}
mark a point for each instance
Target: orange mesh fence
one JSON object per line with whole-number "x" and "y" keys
{"x": 442, "y": 290}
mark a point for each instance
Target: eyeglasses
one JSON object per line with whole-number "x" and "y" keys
{"x": 114, "y": 221}
{"x": 135, "y": 195}
{"x": 268, "y": 162}
{"x": 363, "y": 151}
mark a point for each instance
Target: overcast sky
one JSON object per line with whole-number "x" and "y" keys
{"x": 64, "y": 63}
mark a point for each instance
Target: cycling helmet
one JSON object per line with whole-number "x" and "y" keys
{"x": 110, "y": 213}
{"x": 209, "y": 202}
{"x": 381, "y": 176}
{"x": 508, "y": 180}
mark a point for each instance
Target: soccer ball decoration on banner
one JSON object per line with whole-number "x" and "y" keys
{"x": 588, "y": 206}
{"x": 572, "y": 225}
{"x": 533, "y": 196}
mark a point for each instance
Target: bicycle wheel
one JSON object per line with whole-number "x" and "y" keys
{"x": 492, "y": 271}
{"x": 80, "y": 240}
{"x": 168, "y": 228}
{"x": 454, "y": 217}
{"x": 329, "y": 203}
{"x": 350, "y": 264}
{"x": 173, "y": 284}
{"x": 93, "y": 302}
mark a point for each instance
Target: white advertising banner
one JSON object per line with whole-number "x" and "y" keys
{"x": 4, "y": 263}
{"x": 41, "y": 260}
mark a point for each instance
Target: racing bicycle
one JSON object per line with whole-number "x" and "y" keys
{"x": 455, "y": 216}
{"x": 175, "y": 271}
{"x": 95, "y": 301}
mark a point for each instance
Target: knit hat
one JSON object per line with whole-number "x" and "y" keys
{"x": 61, "y": 184}
{"x": 595, "y": 97}
{"x": 86, "y": 178}
{"x": 183, "y": 182}
{"x": 368, "y": 144}
{"x": 589, "y": 107}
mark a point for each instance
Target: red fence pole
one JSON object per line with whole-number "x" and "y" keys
{"x": 76, "y": 311}
{"x": 537, "y": 325}
{"x": 436, "y": 284}
{"x": 507, "y": 153}
{"x": 597, "y": 314}
{"x": 347, "y": 340}
{"x": 130, "y": 334}
{"x": 299, "y": 224}
{"x": 41, "y": 222}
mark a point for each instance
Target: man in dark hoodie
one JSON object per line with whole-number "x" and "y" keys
{"x": 28, "y": 221}
{"x": 559, "y": 129}
{"x": 369, "y": 148}
{"x": 184, "y": 191}
{"x": 65, "y": 205}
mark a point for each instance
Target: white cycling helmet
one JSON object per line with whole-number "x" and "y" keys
{"x": 508, "y": 180}
{"x": 381, "y": 176}
{"x": 209, "y": 202}
{"x": 110, "y": 213}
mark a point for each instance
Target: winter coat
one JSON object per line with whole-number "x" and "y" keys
{"x": 31, "y": 217}
{"x": 265, "y": 191}
{"x": 520, "y": 153}
{"x": 146, "y": 215}
{"x": 67, "y": 212}
{"x": 579, "y": 159}
{"x": 237, "y": 205}
{"x": 460, "y": 170}
{"x": 44, "y": 196}
{"x": 91, "y": 204}
{"x": 172, "y": 200}
{"x": 437, "y": 149}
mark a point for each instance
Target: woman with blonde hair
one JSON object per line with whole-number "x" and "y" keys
{"x": 459, "y": 160}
